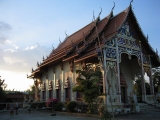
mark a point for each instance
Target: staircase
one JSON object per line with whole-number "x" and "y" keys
{"x": 144, "y": 107}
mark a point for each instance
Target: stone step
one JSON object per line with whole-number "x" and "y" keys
{"x": 147, "y": 107}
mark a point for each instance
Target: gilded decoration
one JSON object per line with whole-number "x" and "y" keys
{"x": 43, "y": 87}
{"x": 91, "y": 66}
{"x": 66, "y": 84}
{"x": 53, "y": 69}
{"x": 46, "y": 75}
{"x": 112, "y": 65}
{"x": 83, "y": 65}
{"x": 147, "y": 70}
{"x": 61, "y": 66}
{"x": 71, "y": 64}
{"x": 57, "y": 85}
{"x": 146, "y": 59}
{"x": 35, "y": 82}
{"x": 50, "y": 85}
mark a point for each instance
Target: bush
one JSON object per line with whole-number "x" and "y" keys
{"x": 40, "y": 105}
{"x": 58, "y": 106}
{"x": 71, "y": 106}
{"x": 34, "y": 105}
{"x": 51, "y": 101}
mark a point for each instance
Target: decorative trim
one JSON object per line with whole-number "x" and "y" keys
{"x": 43, "y": 88}
{"x": 50, "y": 87}
{"x": 61, "y": 66}
{"x": 71, "y": 64}
{"x": 67, "y": 84}
{"x": 46, "y": 75}
{"x": 83, "y": 64}
{"x": 53, "y": 69}
{"x": 57, "y": 85}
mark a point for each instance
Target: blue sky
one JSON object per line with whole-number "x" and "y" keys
{"x": 29, "y": 29}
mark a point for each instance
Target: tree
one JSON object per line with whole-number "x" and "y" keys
{"x": 156, "y": 79}
{"x": 138, "y": 86}
{"x": 31, "y": 90}
{"x": 2, "y": 93}
{"x": 88, "y": 85}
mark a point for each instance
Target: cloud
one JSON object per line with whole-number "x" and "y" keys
{"x": 22, "y": 60}
{"x": 30, "y": 47}
{"x": 4, "y": 29}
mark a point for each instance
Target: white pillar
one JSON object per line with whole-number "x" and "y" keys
{"x": 151, "y": 79}
{"x": 143, "y": 80}
{"x": 105, "y": 85}
{"x": 118, "y": 72}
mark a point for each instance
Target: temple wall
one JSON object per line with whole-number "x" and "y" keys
{"x": 111, "y": 76}
{"x": 66, "y": 74}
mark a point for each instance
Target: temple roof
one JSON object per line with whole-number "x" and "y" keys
{"x": 82, "y": 43}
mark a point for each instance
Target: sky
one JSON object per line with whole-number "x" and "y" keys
{"x": 29, "y": 29}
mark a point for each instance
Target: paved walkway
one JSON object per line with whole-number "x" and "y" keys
{"x": 40, "y": 115}
{"x": 153, "y": 114}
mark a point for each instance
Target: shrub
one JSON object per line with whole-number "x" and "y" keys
{"x": 51, "y": 101}
{"x": 58, "y": 106}
{"x": 71, "y": 106}
{"x": 34, "y": 105}
{"x": 42, "y": 104}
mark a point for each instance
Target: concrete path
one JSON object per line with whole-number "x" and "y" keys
{"x": 152, "y": 114}
{"x": 40, "y": 115}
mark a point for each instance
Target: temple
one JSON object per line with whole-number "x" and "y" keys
{"x": 114, "y": 45}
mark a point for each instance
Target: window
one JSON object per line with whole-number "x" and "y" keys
{"x": 57, "y": 93}
{"x": 67, "y": 93}
{"x": 43, "y": 95}
{"x": 50, "y": 93}
{"x": 79, "y": 94}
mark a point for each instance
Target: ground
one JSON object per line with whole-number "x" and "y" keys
{"x": 45, "y": 115}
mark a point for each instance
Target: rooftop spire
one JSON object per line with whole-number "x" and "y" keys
{"x": 131, "y": 2}
{"x": 52, "y": 46}
{"x": 66, "y": 34}
{"x": 59, "y": 40}
{"x": 100, "y": 12}
{"x": 113, "y": 6}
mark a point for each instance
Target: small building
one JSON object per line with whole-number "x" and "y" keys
{"x": 20, "y": 97}
{"x": 114, "y": 45}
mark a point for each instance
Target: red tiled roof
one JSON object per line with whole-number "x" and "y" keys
{"x": 109, "y": 25}
{"x": 115, "y": 22}
{"x": 100, "y": 26}
{"x": 75, "y": 37}
{"x": 15, "y": 96}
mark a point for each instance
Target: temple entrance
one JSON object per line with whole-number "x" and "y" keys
{"x": 129, "y": 67}
{"x": 123, "y": 94}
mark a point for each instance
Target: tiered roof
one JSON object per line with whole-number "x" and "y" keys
{"x": 85, "y": 42}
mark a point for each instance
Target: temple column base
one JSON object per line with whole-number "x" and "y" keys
{"x": 144, "y": 99}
